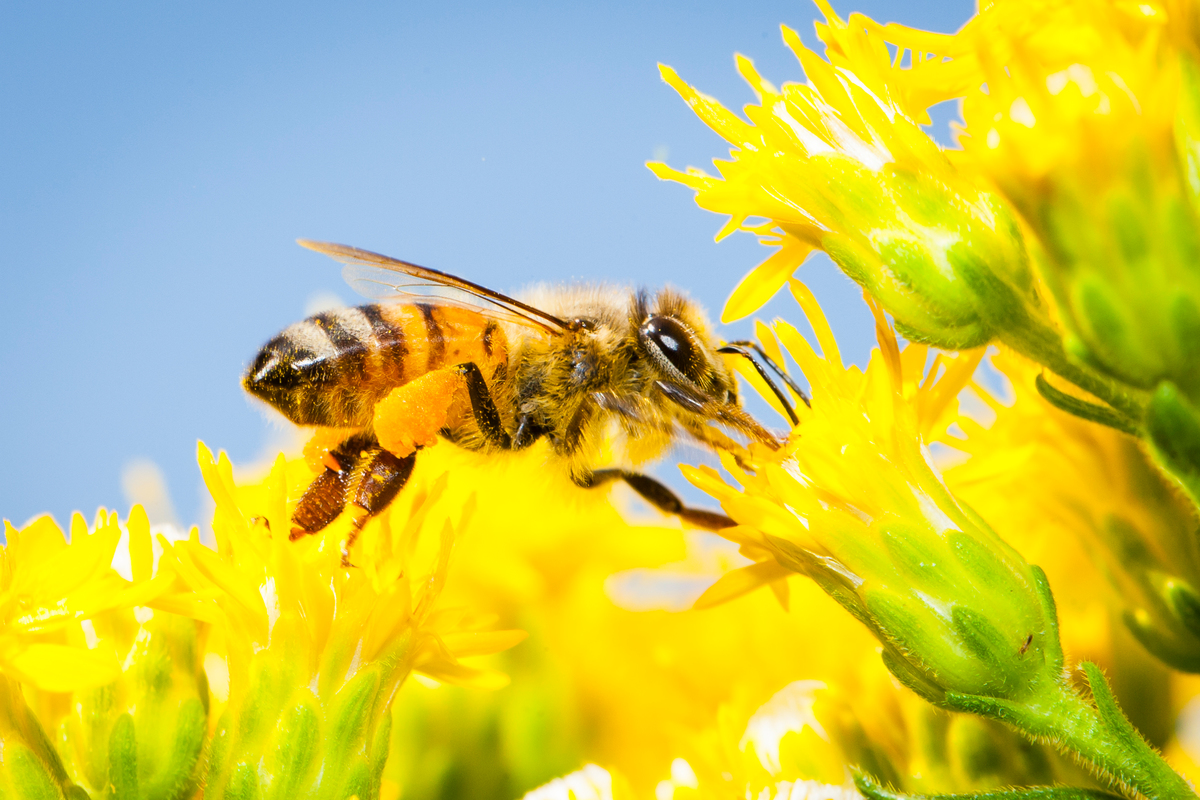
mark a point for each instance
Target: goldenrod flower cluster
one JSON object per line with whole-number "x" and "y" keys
{"x": 973, "y": 567}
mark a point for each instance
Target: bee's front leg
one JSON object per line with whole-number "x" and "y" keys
{"x": 658, "y": 496}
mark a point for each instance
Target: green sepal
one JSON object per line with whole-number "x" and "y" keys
{"x": 1165, "y": 648}
{"x": 1003, "y": 307}
{"x": 123, "y": 759}
{"x": 1173, "y": 427}
{"x": 1128, "y": 226}
{"x": 348, "y": 717}
{"x": 176, "y": 778}
{"x": 298, "y": 742}
{"x": 257, "y": 709}
{"x": 242, "y": 784}
{"x": 1184, "y": 317}
{"x": 914, "y": 558}
{"x": 1183, "y": 600}
{"x": 1051, "y": 644}
{"x": 873, "y": 791}
{"x": 981, "y": 563}
{"x": 906, "y": 627}
{"x": 1108, "y": 331}
{"x": 997, "y": 656}
{"x": 904, "y": 672}
{"x": 380, "y": 751}
{"x": 31, "y": 780}
{"x": 964, "y": 338}
{"x": 96, "y": 713}
{"x": 357, "y": 782}
{"x": 994, "y": 708}
{"x": 1116, "y": 725}
{"x": 76, "y": 792}
{"x": 218, "y": 749}
{"x": 1092, "y": 412}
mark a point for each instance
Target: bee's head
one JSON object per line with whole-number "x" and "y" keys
{"x": 678, "y": 344}
{"x": 674, "y": 337}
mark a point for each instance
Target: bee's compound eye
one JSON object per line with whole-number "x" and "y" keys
{"x": 673, "y": 342}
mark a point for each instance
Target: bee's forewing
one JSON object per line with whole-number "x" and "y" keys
{"x": 386, "y": 279}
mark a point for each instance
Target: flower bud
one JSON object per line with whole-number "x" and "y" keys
{"x": 144, "y": 733}
{"x": 840, "y": 164}
{"x": 1173, "y": 427}
{"x": 1092, "y": 135}
{"x": 959, "y": 613}
{"x": 317, "y": 651}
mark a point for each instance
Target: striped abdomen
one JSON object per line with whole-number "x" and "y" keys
{"x": 332, "y": 368}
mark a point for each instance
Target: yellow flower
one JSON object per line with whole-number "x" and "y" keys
{"x": 841, "y": 164}
{"x": 315, "y": 652}
{"x": 807, "y": 738}
{"x": 1093, "y": 511}
{"x": 945, "y": 596}
{"x": 303, "y": 657}
{"x": 50, "y": 589}
{"x": 616, "y": 670}
{"x": 1080, "y": 153}
{"x": 1090, "y": 130}
{"x": 72, "y": 630}
{"x": 590, "y": 783}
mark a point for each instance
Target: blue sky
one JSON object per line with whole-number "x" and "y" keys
{"x": 158, "y": 160}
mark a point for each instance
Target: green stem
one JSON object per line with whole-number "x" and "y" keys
{"x": 1038, "y": 341}
{"x": 874, "y": 791}
{"x": 1103, "y": 737}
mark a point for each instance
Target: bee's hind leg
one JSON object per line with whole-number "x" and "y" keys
{"x": 321, "y": 503}
{"x": 325, "y": 498}
{"x": 658, "y": 496}
{"x": 383, "y": 476}
{"x": 367, "y": 477}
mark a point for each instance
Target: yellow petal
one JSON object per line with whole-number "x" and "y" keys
{"x": 762, "y": 282}
{"x": 735, "y": 583}
{"x": 481, "y": 643}
{"x": 62, "y": 668}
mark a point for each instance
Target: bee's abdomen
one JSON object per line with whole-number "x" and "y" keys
{"x": 332, "y": 368}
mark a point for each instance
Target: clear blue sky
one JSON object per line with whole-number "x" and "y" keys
{"x": 159, "y": 159}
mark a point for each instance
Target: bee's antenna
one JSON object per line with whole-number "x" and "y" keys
{"x": 739, "y": 348}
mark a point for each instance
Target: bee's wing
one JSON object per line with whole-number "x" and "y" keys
{"x": 382, "y": 278}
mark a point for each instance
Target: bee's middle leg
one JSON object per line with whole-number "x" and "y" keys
{"x": 659, "y": 496}
{"x": 413, "y": 414}
{"x": 483, "y": 407}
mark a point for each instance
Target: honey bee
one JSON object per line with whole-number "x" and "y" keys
{"x": 440, "y": 356}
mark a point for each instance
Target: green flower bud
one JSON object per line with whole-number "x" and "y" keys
{"x": 279, "y": 739}
{"x": 1120, "y": 224}
{"x": 28, "y": 776}
{"x": 940, "y": 251}
{"x": 1173, "y": 427}
{"x": 956, "y": 613}
{"x": 142, "y": 735}
{"x": 963, "y": 620}
{"x": 946, "y": 260}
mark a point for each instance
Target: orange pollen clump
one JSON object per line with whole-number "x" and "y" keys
{"x": 412, "y": 414}
{"x": 316, "y": 450}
